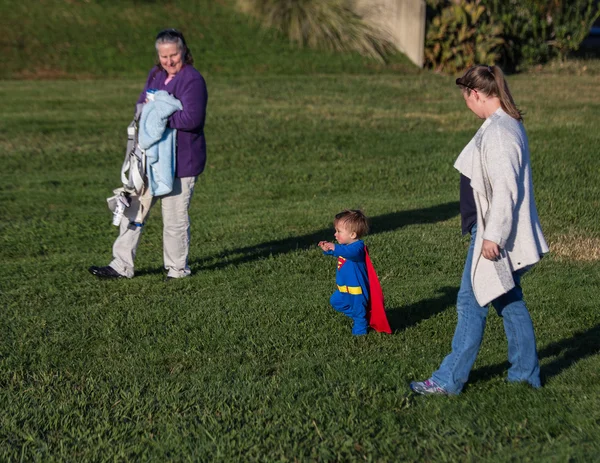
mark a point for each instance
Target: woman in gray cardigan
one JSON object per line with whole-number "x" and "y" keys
{"x": 498, "y": 209}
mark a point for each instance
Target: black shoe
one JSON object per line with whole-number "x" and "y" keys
{"x": 105, "y": 272}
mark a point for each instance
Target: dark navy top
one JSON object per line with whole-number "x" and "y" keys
{"x": 468, "y": 210}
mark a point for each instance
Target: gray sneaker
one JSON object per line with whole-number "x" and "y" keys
{"x": 429, "y": 386}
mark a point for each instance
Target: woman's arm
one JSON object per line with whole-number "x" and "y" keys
{"x": 194, "y": 98}
{"x": 502, "y": 152}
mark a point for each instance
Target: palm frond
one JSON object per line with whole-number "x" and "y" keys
{"x": 325, "y": 24}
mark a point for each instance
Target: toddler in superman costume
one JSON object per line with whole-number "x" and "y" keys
{"x": 358, "y": 293}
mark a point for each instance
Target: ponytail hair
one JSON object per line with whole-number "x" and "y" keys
{"x": 490, "y": 81}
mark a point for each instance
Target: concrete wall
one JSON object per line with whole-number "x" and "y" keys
{"x": 402, "y": 20}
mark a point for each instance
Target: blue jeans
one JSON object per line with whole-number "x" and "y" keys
{"x": 355, "y": 307}
{"x": 453, "y": 373}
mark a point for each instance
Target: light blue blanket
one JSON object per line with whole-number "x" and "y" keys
{"x": 159, "y": 142}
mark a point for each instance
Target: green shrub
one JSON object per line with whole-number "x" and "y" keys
{"x": 532, "y": 31}
{"x": 461, "y": 36}
{"x": 325, "y": 24}
{"x": 537, "y": 31}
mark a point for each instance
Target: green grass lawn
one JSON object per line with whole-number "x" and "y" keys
{"x": 245, "y": 360}
{"x": 83, "y": 39}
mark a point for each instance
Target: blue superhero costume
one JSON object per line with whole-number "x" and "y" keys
{"x": 352, "y": 294}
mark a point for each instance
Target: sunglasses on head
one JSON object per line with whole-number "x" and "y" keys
{"x": 460, "y": 82}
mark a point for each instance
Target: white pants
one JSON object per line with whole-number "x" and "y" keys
{"x": 176, "y": 231}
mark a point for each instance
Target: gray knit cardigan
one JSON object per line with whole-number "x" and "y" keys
{"x": 497, "y": 162}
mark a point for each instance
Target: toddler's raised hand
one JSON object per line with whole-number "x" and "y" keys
{"x": 326, "y": 245}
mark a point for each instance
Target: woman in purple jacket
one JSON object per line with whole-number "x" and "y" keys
{"x": 175, "y": 74}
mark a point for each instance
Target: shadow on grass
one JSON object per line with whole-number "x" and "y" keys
{"x": 404, "y": 317}
{"x": 581, "y": 345}
{"x": 379, "y": 224}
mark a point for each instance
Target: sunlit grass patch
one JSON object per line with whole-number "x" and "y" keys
{"x": 575, "y": 246}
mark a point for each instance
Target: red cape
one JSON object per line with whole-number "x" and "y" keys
{"x": 375, "y": 309}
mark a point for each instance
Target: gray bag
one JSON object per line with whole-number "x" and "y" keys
{"x": 133, "y": 172}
